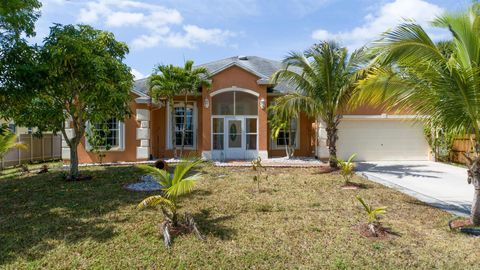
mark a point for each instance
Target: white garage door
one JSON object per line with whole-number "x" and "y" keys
{"x": 382, "y": 140}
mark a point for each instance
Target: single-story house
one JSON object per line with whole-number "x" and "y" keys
{"x": 228, "y": 120}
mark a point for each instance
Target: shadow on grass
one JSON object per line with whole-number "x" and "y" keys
{"x": 40, "y": 208}
{"x": 213, "y": 226}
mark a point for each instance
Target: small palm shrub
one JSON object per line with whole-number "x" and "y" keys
{"x": 8, "y": 140}
{"x": 259, "y": 169}
{"x": 347, "y": 168}
{"x": 373, "y": 215}
{"x": 175, "y": 185}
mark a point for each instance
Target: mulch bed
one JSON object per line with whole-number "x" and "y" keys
{"x": 354, "y": 186}
{"x": 383, "y": 233}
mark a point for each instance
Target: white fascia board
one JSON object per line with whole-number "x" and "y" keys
{"x": 240, "y": 66}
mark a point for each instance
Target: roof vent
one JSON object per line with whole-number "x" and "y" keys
{"x": 244, "y": 58}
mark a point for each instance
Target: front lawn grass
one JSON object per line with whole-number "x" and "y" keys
{"x": 302, "y": 219}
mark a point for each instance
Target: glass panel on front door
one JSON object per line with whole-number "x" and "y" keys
{"x": 234, "y": 134}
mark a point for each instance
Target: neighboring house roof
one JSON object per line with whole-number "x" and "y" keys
{"x": 261, "y": 67}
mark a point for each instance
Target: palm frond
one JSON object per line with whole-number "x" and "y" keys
{"x": 182, "y": 187}
{"x": 162, "y": 176}
{"x": 182, "y": 168}
{"x": 8, "y": 141}
{"x": 156, "y": 200}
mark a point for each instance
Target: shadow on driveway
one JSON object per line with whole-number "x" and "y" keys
{"x": 399, "y": 170}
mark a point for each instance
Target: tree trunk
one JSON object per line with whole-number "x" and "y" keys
{"x": 474, "y": 179}
{"x": 174, "y": 126}
{"x": 73, "y": 160}
{"x": 475, "y": 212}
{"x": 290, "y": 148}
{"x": 184, "y": 125}
{"x": 332, "y": 144}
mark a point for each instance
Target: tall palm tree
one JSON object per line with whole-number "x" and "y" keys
{"x": 323, "y": 77}
{"x": 194, "y": 78}
{"x": 438, "y": 81}
{"x": 166, "y": 83}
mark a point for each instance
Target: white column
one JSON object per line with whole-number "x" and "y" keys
{"x": 322, "y": 149}
{"x": 143, "y": 133}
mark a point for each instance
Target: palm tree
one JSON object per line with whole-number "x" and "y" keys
{"x": 8, "y": 141}
{"x": 166, "y": 83}
{"x": 174, "y": 185}
{"x": 194, "y": 77}
{"x": 324, "y": 78}
{"x": 438, "y": 81}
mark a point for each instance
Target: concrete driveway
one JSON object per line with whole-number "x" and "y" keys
{"x": 440, "y": 185}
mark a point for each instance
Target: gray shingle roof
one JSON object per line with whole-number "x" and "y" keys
{"x": 262, "y": 67}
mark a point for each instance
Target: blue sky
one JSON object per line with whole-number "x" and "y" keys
{"x": 169, "y": 31}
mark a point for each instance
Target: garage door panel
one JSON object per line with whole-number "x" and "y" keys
{"x": 382, "y": 140}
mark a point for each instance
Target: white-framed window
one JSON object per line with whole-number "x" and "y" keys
{"x": 190, "y": 128}
{"x": 114, "y": 137}
{"x": 285, "y": 135}
{"x": 12, "y": 127}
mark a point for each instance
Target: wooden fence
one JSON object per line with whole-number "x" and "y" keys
{"x": 460, "y": 146}
{"x": 48, "y": 147}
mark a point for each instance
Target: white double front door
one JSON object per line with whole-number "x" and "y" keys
{"x": 234, "y": 137}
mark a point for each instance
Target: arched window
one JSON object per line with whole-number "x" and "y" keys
{"x": 234, "y": 103}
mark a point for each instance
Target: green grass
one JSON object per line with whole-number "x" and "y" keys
{"x": 17, "y": 171}
{"x": 301, "y": 220}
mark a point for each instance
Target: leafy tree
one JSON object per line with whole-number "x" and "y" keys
{"x": 194, "y": 78}
{"x": 441, "y": 81}
{"x": 166, "y": 83}
{"x": 17, "y": 19}
{"x": 78, "y": 77}
{"x": 323, "y": 77}
{"x": 19, "y": 16}
{"x": 97, "y": 139}
{"x": 174, "y": 185}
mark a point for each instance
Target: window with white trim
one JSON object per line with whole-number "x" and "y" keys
{"x": 190, "y": 128}
{"x": 12, "y": 127}
{"x": 113, "y": 134}
{"x": 234, "y": 103}
{"x": 285, "y": 135}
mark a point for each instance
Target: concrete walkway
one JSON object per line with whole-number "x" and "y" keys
{"x": 440, "y": 185}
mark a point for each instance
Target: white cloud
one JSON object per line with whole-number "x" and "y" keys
{"x": 158, "y": 25}
{"x": 387, "y": 16}
{"x": 119, "y": 19}
{"x": 137, "y": 74}
{"x": 191, "y": 36}
{"x": 321, "y": 34}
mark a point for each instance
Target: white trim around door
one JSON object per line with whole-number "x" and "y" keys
{"x": 234, "y": 137}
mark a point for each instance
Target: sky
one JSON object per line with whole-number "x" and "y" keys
{"x": 172, "y": 31}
